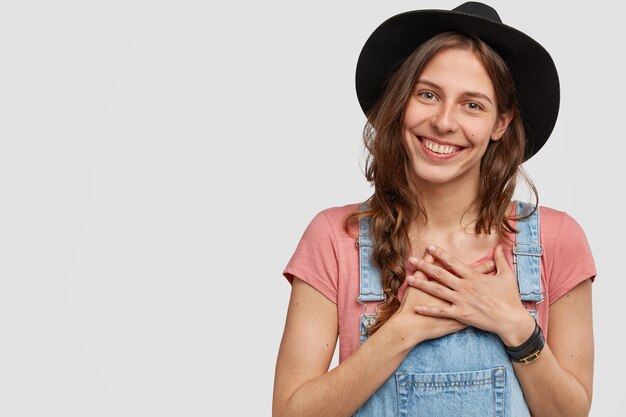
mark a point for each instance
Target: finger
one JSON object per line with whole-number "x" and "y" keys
{"x": 416, "y": 276}
{"x": 485, "y": 267}
{"x": 429, "y": 258}
{"x": 450, "y": 262}
{"x": 436, "y": 290}
{"x": 443, "y": 312}
{"x": 499, "y": 258}
{"x": 436, "y": 272}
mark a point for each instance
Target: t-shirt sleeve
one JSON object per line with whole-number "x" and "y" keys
{"x": 573, "y": 260}
{"x": 315, "y": 258}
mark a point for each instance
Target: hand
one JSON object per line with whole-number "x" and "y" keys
{"x": 421, "y": 327}
{"x": 489, "y": 302}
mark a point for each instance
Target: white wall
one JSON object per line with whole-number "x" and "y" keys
{"x": 159, "y": 161}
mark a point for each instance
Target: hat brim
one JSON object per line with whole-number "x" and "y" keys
{"x": 534, "y": 73}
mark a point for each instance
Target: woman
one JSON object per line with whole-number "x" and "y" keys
{"x": 443, "y": 305}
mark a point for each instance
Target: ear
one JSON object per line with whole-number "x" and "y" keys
{"x": 501, "y": 124}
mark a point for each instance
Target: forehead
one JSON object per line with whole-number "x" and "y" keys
{"x": 457, "y": 71}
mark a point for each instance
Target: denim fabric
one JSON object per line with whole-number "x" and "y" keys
{"x": 467, "y": 373}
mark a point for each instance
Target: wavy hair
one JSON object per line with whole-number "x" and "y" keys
{"x": 396, "y": 201}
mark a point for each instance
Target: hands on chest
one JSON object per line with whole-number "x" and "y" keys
{"x": 457, "y": 295}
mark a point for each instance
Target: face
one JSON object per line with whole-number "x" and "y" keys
{"x": 450, "y": 118}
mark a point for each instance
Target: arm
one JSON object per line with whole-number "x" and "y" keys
{"x": 303, "y": 386}
{"x": 560, "y": 382}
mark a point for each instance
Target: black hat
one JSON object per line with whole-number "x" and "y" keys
{"x": 534, "y": 73}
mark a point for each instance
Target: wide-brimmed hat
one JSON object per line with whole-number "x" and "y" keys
{"x": 534, "y": 73}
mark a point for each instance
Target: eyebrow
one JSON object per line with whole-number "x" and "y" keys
{"x": 466, "y": 93}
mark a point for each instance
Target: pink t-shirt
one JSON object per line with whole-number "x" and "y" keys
{"x": 328, "y": 259}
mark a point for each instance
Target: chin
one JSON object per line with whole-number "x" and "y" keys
{"x": 436, "y": 176}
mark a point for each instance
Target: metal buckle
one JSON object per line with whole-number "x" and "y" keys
{"x": 370, "y": 321}
{"x": 532, "y": 357}
{"x": 516, "y": 249}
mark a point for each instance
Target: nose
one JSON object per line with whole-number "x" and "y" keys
{"x": 444, "y": 119}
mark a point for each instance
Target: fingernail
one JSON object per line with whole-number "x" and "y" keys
{"x": 411, "y": 279}
{"x": 432, "y": 248}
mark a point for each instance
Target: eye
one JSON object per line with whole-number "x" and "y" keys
{"x": 472, "y": 105}
{"x": 427, "y": 95}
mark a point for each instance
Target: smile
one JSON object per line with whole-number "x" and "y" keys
{"x": 439, "y": 148}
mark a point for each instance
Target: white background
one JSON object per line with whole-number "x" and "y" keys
{"x": 159, "y": 161}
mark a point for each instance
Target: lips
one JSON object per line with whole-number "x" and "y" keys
{"x": 438, "y": 151}
{"x": 439, "y": 147}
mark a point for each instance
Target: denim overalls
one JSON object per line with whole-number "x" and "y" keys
{"x": 463, "y": 374}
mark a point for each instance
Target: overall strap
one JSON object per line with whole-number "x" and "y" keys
{"x": 370, "y": 284}
{"x": 527, "y": 253}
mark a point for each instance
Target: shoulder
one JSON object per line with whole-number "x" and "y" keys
{"x": 340, "y": 213}
{"x": 557, "y": 224}
{"x": 562, "y": 236}
{"x": 569, "y": 259}
{"x": 565, "y": 245}
{"x": 328, "y": 226}
{"x": 336, "y": 216}
{"x": 323, "y": 250}
{"x": 551, "y": 214}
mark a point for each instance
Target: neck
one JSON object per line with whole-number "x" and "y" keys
{"x": 449, "y": 206}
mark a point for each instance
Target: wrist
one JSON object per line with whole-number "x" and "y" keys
{"x": 403, "y": 331}
{"x": 518, "y": 330}
{"x": 530, "y": 350}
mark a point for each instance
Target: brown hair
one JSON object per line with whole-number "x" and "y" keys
{"x": 396, "y": 201}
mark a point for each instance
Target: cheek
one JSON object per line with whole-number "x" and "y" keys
{"x": 480, "y": 134}
{"x": 415, "y": 115}
{"x": 409, "y": 140}
{"x": 407, "y": 135}
{"x": 408, "y": 143}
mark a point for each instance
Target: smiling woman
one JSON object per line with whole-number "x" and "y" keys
{"x": 443, "y": 120}
{"x": 443, "y": 305}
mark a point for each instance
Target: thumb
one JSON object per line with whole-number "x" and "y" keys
{"x": 499, "y": 258}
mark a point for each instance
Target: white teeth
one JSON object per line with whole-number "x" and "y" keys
{"x": 437, "y": 148}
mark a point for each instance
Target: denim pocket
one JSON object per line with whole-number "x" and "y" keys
{"x": 467, "y": 394}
